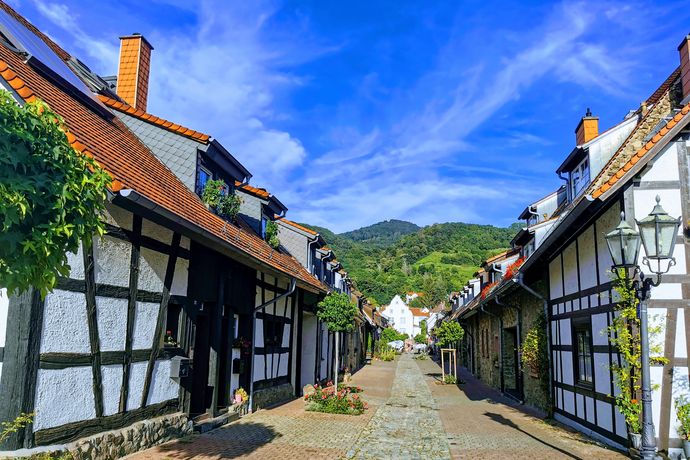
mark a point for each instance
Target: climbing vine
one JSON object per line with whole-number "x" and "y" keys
{"x": 51, "y": 197}
{"x": 625, "y": 337}
{"x": 272, "y": 234}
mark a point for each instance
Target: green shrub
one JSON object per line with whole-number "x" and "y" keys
{"x": 217, "y": 196}
{"x": 450, "y": 379}
{"x": 387, "y": 354}
{"x": 683, "y": 414}
{"x": 272, "y": 234}
{"x": 389, "y": 334}
{"x": 449, "y": 334}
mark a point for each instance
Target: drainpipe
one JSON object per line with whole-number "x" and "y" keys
{"x": 291, "y": 289}
{"x": 520, "y": 282}
{"x": 567, "y": 186}
{"x": 500, "y": 343}
{"x": 519, "y": 341}
{"x": 534, "y": 213}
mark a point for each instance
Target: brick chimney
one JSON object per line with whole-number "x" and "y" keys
{"x": 133, "y": 70}
{"x": 587, "y": 129}
{"x": 684, "y": 50}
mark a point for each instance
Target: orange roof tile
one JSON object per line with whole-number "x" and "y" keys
{"x": 133, "y": 166}
{"x": 418, "y": 312}
{"x": 256, "y": 191}
{"x": 140, "y": 114}
{"x": 296, "y": 225}
{"x": 640, "y": 153}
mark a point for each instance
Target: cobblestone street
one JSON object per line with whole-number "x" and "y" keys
{"x": 410, "y": 417}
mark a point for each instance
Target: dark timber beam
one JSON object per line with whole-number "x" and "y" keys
{"x": 131, "y": 309}
{"x": 92, "y": 319}
{"x": 162, "y": 313}
{"x": 20, "y": 363}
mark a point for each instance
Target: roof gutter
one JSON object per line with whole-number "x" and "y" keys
{"x": 135, "y": 198}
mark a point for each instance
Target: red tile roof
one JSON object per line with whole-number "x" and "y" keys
{"x": 133, "y": 166}
{"x": 296, "y": 225}
{"x": 418, "y": 312}
{"x": 163, "y": 123}
{"x": 641, "y": 153}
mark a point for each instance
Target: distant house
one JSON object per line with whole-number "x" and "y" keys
{"x": 403, "y": 318}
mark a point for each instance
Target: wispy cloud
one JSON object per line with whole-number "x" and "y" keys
{"x": 451, "y": 143}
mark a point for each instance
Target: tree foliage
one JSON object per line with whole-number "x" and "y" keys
{"x": 337, "y": 311}
{"x": 385, "y": 261}
{"x": 449, "y": 333}
{"x": 51, "y": 197}
{"x": 389, "y": 334}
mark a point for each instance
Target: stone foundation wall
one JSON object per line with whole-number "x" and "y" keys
{"x": 273, "y": 395}
{"x": 114, "y": 444}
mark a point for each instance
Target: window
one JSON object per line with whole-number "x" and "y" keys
{"x": 273, "y": 331}
{"x": 583, "y": 353}
{"x": 172, "y": 324}
{"x": 204, "y": 176}
{"x": 579, "y": 178}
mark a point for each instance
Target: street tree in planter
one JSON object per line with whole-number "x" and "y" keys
{"x": 51, "y": 197}
{"x": 449, "y": 334}
{"x": 338, "y": 312}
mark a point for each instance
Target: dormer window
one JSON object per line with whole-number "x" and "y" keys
{"x": 579, "y": 177}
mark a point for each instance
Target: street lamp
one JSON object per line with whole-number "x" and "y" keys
{"x": 658, "y": 235}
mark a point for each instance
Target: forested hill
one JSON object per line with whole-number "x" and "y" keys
{"x": 395, "y": 256}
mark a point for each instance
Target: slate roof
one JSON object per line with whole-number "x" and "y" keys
{"x": 147, "y": 117}
{"x": 296, "y": 225}
{"x": 133, "y": 166}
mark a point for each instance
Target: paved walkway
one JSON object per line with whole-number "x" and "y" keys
{"x": 410, "y": 417}
{"x": 408, "y": 424}
{"x": 480, "y": 423}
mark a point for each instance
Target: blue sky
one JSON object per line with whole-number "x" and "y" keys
{"x": 354, "y": 112}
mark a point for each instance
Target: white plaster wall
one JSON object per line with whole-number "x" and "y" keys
{"x": 607, "y": 222}
{"x": 585, "y": 247}
{"x": 259, "y": 333}
{"x": 118, "y": 216}
{"x": 656, "y": 374}
{"x": 258, "y": 371}
{"x": 286, "y": 336}
{"x": 681, "y": 350}
{"x": 155, "y": 231}
{"x": 152, "y": 268}
{"x": 144, "y": 325}
{"x": 163, "y": 388}
{"x": 555, "y": 281}
{"x": 111, "y": 377}
{"x": 667, "y": 291}
{"x": 568, "y": 401}
{"x": 600, "y": 329}
{"x": 570, "y": 269}
{"x": 112, "y": 323}
{"x": 602, "y": 376}
{"x": 567, "y": 358}
{"x": 137, "y": 375}
{"x": 76, "y": 264}
{"x": 665, "y": 166}
{"x": 63, "y": 396}
{"x": 185, "y": 242}
{"x": 680, "y": 388}
{"x": 180, "y": 278}
{"x": 112, "y": 257}
{"x": 235, "y": 378}
{"x": 604, "y": 418}
{"x": 65, "y": 327}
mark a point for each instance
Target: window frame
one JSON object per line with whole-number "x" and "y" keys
{"x": 201, "y": 168}
{"x": 583, "y": 326}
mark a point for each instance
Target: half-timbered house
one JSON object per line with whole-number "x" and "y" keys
{"x": 144, "y": 324}
{"x": 651, "y": 160}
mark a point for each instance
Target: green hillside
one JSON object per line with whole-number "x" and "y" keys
{"x": 436, "y": 259}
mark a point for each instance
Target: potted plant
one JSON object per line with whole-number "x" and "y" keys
{"x": 683, "y": 414}
{"x": 169, "y": 340}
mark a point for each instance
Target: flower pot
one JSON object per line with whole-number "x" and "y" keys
{"x": 686, "y": 447}
{"x": 635, "y": 440}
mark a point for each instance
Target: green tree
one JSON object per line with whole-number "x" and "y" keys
{"x": 338, "y": 312}
{"x": 389, "y": 334}
{"x": 51, "y": 197}
{"x": 449, "y": 334}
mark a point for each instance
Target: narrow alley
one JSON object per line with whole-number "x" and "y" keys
{"x": 411, "y": 416}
